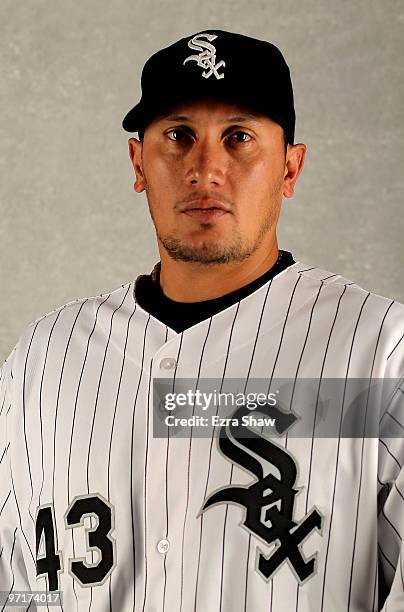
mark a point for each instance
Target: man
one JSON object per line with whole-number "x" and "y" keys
{"x": 101, "y": 502}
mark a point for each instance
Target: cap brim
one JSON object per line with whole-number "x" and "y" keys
{"x": 133, "y": 119}
{"x": 145, "y": 111}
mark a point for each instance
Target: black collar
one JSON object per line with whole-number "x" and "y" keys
{"x": 181, "y": 315}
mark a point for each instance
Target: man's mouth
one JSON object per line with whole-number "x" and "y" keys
{"x": 205, "y": 214}
{"x": 205, "y": 209}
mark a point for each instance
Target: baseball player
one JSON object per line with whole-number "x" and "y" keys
{"x": 101, "y": 512}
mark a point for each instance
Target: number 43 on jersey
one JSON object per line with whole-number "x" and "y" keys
{"x": 49, "y": 561}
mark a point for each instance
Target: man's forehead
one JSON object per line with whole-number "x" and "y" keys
{"x": 220, "y": 110}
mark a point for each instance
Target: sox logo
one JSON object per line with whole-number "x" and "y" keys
{"x": 207, "y": 55}
{"x": 284, "y": 530}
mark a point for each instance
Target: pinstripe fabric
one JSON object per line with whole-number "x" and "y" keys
{"x": 76, "y": 410}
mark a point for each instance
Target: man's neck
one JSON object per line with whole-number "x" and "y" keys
{"x": 193, "y": 282}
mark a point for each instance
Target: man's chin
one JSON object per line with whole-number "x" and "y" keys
{"x": 207, "y": 255}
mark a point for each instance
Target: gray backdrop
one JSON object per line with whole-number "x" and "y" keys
{"x": 71, "y": 225}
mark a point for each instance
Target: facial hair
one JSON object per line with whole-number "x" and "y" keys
{"x": 209, "y": 253}
{"x": 213, "y": 253}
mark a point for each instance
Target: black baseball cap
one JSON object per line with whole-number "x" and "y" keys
{"x": 221, "y": 65}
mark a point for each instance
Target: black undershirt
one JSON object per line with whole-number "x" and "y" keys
{"x": 181, "y": 315}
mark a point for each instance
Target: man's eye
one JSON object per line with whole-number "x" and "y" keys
{"x": 240, "y": 136}
{"x": 177, "y": 134}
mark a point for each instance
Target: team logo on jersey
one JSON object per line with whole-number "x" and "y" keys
{"x": 206, "y": 58}
{"x": 268, "y": 501}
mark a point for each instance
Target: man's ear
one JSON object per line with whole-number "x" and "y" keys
{"x": 293, "y": 166}
{"x": 135, "y": 154}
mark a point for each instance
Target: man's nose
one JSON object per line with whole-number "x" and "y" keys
{"x": 207, "y": 164}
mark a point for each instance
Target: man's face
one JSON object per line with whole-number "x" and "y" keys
{"x": 214, "y": 174}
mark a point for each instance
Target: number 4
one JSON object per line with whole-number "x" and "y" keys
{"x": 47, "y": 563}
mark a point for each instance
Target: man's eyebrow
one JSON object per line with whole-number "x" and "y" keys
{"x": 174, "y": 117}
{"x": 241, "y": 118}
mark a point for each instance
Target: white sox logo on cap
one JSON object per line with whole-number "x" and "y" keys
{"x": 207, "y": 55}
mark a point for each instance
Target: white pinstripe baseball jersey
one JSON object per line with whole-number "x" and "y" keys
{"x": 77, "y": 442}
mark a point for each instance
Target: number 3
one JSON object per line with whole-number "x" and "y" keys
{"x": 96, "y": 538}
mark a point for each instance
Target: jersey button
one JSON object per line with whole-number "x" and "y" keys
{"x": 163, "y": 546}
{"x": 168, "y": 363}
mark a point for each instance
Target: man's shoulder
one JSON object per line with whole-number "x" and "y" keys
{"x": 320, "y": 279}
{"x": 327, "y": 302}
{"x": 91, "y": 302}
{"x": 325, "y": 292}
{"x": 73, "y": 317}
